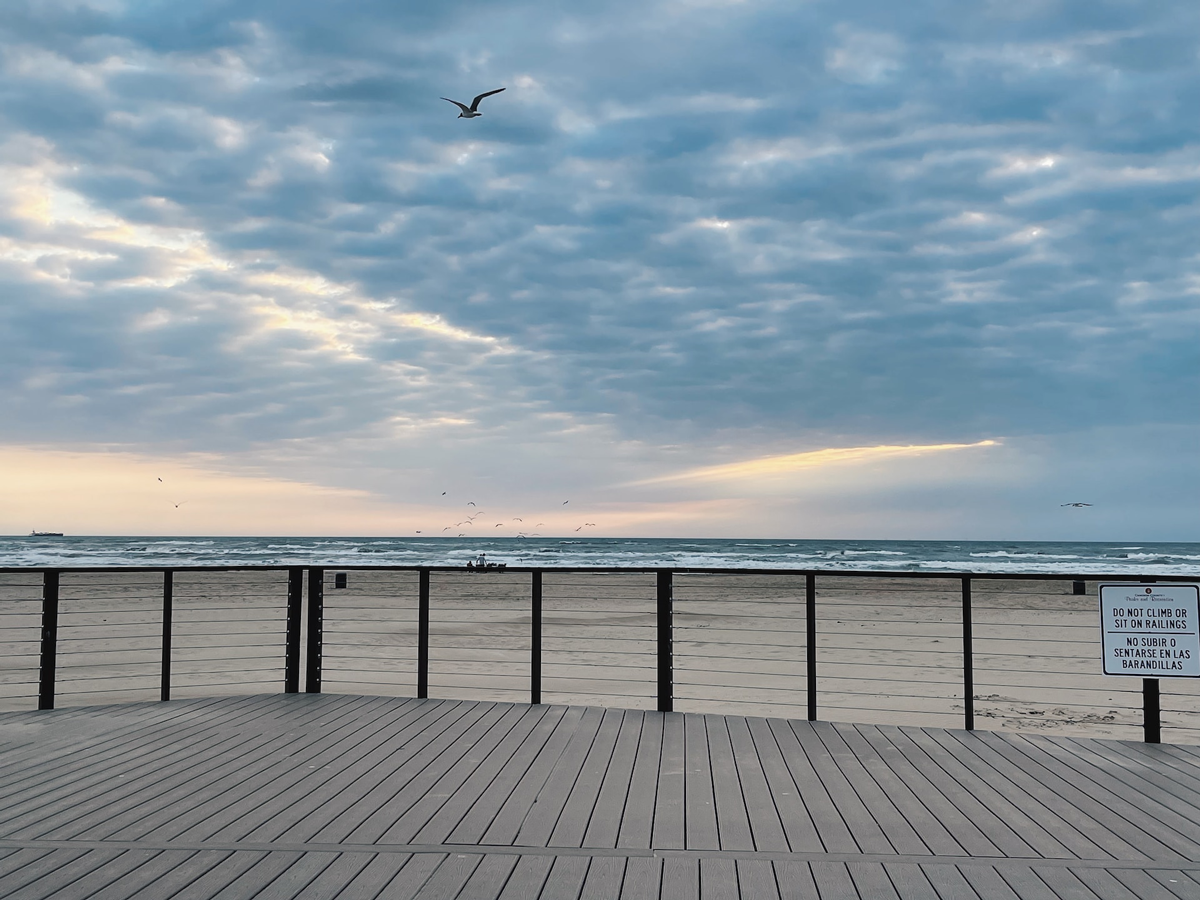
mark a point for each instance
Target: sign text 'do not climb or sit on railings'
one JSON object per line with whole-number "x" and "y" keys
{"x": 1151, "y": 630}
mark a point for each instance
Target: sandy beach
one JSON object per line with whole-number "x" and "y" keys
{"x": 889, "y": 649}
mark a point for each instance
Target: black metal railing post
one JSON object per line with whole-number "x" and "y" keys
{"x": 968, "y": 659}
{"x": 291, "y": 651}
{"x": 810, "y": 627}
{"x": 168, "y": 609}
{"x": 49, "y": 654}
{"x": 1151, "y": 712}
{"x": 666, "y": 678}
{"x": 423, "y": 635}
{"x": 316, "y": 623}
{"x": 535, "y": 638}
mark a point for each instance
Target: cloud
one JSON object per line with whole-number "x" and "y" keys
{"x": 812, "y": 459}
{"x": 733, "y": 227}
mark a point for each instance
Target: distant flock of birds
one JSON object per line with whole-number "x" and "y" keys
{"x": 470, "y": 520}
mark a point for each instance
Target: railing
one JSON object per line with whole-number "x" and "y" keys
{"x": 893, "y": 647}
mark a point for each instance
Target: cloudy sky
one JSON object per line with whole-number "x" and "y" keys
{"x": 854, "y": 268}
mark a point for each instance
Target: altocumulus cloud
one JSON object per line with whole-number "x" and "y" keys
{"x": 742, "y": 229}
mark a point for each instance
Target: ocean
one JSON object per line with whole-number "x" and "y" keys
{"x": 1067, "y": 558}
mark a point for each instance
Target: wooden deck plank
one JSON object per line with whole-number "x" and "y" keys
{"x": 539, "y": 821}
{"x": 910, "y": 881}
{"x": 605, "y": 876}
{"x": 1025, "y": 883}
{"x": 637, "y": 819}
{"x": 581, "y": 799}
{"x": 425, "y": 758}
{"x": 980, "y": 817}
{"x": 489, "y": 877}
{"x": 643, "y": 878}
{"x": 668, "y": 831}
{"x": 680, "y": 879}
{"x": 424, "y": 771}
{"x": 53, "y": 872}
{"x": 79, "y": 811}
{"x": 84, "y": 883}
{"x": 943, "y": 826}
{"x": 833, "y": 880}
{"x": 494, "y": 778}
{"x": 1139, "y": 884}
{"x": 377, "y": 774}
{"x": 1097, "y": 841}
{"x": 700, "y": 809}
{"x": 469, "y": 775}
{"x": 334, "y": 877}
{"x": 449, "y": 878}
{"x": 1164, "y": 767}
{"x": 1177, "y": 882}
{"x": 604, "y": 826}
{"x": 817, "y": 772}
{"x": 881, "y": 761}
{"x": 871, "y": 881}
{"x": 718, "y": 879}
{"x": 259, "y": 876}
{"x": 766, "y": 828}
{"x": 414, "y": 779}
{"x": 505, "y": 824}
{"x": 1065, "y": 886}
{"x": 211, "y": 871}
{"x": 949, "y": 881}
{"x": 756, "y": 879}
{"x": 212, "y": 808}
{"x": 566, "y": 878}
{"x": 795, "y": 880}
{"x": 372, "y": 878}
{"x": 899, "y": 832}
{"x": 345, "y": 780}
{"x": 527, "y": 878}
{"x": 296, "y": 877}
{"x": 798, "y": 814}
{"x": 1148, "y": 833}
{"x": 987, "y": 883}
{"x": 85, "y": 775}
{"x": 1174, "y": 803}
{"x": 164, "y": 876}
{"x": 1043, "y": 826}
{"x": 733, "y": 817}
{"x": 416, "y": 872}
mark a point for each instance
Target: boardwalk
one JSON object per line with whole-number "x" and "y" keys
{"x": 322, "y": 796}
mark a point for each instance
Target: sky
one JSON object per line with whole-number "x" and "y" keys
{"x": 706, "y": 268}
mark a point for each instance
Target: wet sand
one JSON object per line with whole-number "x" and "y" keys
{"x": 888, "y": 650}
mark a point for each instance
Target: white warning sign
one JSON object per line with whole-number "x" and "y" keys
{"x": 1150, "y": 630}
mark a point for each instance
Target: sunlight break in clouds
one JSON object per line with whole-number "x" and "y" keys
{"x": 812, "y": 459}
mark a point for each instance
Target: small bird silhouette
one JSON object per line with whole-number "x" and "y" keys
{"x": 517, "y": 519}
{"x": 1076, "y": 504}
{"x": 499, "y": 524}
{"x": 180, "y": 503}
{"x": 565, "y": 502}
{"x": 472, "y": 111}
{"x": 470, "y": 503}
{"x": 443, "y": 493}
{"x": 418, "y": 531}
{"x": 160, "y": 480}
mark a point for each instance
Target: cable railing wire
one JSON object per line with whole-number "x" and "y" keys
{"x": 675, "y": 620}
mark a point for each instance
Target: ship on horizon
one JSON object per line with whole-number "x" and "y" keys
{"x": 45, "y": 534}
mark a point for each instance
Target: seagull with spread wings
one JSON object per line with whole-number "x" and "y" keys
{"x": 1077, "y": 504}
{"x": 472, "y": 111}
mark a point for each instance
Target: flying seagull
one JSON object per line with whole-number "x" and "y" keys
{"x": 1076, "y": 504}
{"x": 473, "y": 110}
